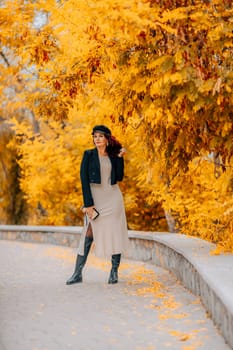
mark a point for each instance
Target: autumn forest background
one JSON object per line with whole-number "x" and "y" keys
{"x": 158, "y": 73}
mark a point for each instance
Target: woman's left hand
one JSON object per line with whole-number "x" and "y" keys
{"x": 122, "y": 152}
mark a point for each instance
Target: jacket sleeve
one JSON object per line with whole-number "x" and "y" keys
{"x": 84, "y": 175}
{"x": 119, "y": 168}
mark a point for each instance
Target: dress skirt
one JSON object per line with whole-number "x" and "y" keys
{"x": 110, "y": 231}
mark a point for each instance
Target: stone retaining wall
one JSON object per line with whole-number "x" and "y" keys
{"x": 184, "y": 256}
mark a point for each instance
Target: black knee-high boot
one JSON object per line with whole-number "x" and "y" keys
{"x": 113, "y": 278}
{"x": 80, "y": 262}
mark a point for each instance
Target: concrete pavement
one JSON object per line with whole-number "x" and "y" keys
{"x": 147, "y": 310}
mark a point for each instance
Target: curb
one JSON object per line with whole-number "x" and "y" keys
{"x": 208, "y": 276}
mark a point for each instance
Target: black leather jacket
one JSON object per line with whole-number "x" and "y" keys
{"x": 90, "y": 173}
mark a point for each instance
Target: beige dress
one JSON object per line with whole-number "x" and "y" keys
{"x": 110, "y": 228}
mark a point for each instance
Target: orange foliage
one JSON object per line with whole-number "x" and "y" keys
{"x": 159, "y": 73}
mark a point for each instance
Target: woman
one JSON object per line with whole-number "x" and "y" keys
{"x": 101, "y": 169}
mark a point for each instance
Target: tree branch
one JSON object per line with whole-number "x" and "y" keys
{"x": 5, "y": 59}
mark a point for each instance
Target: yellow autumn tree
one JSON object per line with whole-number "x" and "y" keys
{"x": 50, "y": 169}
{"x": 160, "y": 74}
{"x": 16, "y": 18}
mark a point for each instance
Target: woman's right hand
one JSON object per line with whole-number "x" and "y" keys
{"x": 88, "y": 211}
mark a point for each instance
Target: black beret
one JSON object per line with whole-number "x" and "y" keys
{"x": 102, "y": 129}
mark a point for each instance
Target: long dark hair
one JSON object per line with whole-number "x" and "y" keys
{"x": 114, "y": 146}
